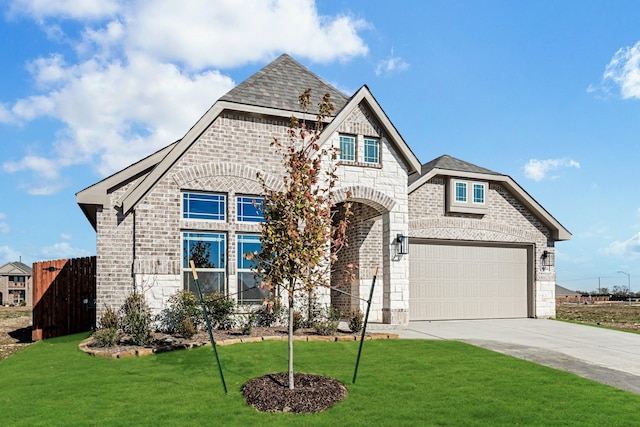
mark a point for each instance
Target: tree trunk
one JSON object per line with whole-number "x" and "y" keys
{"x": 291, "y": 385}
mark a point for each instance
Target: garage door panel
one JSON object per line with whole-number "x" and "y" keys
{"x": 449, "y": 281}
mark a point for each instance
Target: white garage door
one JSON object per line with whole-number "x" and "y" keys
{"x": 463, "y": 281}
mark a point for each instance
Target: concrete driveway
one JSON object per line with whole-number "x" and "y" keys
{"x": 609, "y": 357}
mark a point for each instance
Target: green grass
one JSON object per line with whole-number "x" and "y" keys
{"x": 400, "y": 383}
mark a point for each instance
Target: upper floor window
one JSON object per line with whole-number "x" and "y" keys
{"x": 461, "y": 192}
{"x": 249, "y": 209}
{"x": 371, "y": 150}
{"x": 204, "y": 206}
{"x": 478, "y": 193}
{"x": 347, "y": 148}
{"x": 467, "y": 196}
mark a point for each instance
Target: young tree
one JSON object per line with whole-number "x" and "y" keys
{"x": 300, "y": 236}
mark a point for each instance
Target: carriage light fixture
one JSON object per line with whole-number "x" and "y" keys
{"x": 402, "y": 244}
{"x": 547, "y": 259}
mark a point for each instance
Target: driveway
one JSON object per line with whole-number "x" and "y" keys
{"x": 609, "y": 357}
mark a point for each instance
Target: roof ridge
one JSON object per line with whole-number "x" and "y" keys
{"x": 279, "y": 84}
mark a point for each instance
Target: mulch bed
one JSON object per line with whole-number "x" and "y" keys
{"x": 311, "y": 393}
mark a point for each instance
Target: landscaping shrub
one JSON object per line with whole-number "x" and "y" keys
{"x": 106, "y": 337}
{"x": 221, "y": 310}
{"x": 181, "y": 306}
{"x": 109, "y": 319}
{"x": 187, "y": 329}
{"x": 328, "y": 325}
{"x": 356, "y": 318}
{"x": 298, "y": 321}
{"x": 247, "y": 323}
{"x": 135, "y": 319}
{"x": 270, "y": 314}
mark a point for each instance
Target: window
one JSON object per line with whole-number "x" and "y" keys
{"x": 347, "y": 148}
{"x": 17, "y": 279}
{"x": 478, "y": 193}
{"x": 371, "y": 150}
{"x": 250, "y": 209}
{"x": 461, "y": 192}
{"x": 467, "y": 196}
{"x": 204, "y": 206}
{"x": 207, "y": 250}
{"x": 249, "y": 291}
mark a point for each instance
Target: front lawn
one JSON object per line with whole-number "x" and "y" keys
{"x": 400, "y": 382}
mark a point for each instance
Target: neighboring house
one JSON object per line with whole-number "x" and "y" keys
{"x": 15, "y": 284}
{"x": 478, "y": 245}
{"x": 566, "y": 295}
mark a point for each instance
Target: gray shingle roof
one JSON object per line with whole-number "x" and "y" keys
{"x": 280, "y": 83}
{"x": 450, "y": 163}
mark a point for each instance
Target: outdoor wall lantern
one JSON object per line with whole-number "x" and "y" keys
{"x": 547, "y": 259}
{"x": 402, "y": 245}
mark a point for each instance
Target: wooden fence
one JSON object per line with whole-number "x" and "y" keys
{"x": 64, "y": 293}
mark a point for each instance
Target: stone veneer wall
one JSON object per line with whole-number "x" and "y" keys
{"x": 506, "y": 220}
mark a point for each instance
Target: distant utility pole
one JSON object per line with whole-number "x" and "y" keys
{"x": 628, "y": 284}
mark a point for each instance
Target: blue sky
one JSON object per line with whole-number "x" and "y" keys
{"x": 547, "y": 92}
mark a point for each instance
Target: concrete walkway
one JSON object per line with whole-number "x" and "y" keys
{"x": 609, "y": 357}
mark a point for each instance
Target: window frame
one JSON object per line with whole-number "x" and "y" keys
{"x": 344, "y": 152}
{"x": 219, "y": 216}
{"x": 243, "y": 269}
{"x": 206, "y": 236}
{"x": 241, "y": 201}
{"x": 369, "y": 143}
{"x": 470, "y": 204}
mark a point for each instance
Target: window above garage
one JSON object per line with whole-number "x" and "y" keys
{"x": 467, "y": 196}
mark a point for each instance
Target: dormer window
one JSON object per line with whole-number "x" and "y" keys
{"x": 467, "y": 196}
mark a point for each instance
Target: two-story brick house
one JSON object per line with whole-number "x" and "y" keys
{"x": 15, "y": 284}
{"x": 195, "y": 198}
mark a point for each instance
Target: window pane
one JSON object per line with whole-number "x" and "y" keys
{"x": 250, "y": 209}
{"x": 246, "y": 244}
{"x": 249, "y": 289}
{"x": 210, "y": 282}
{"x": 203, "y": 206}
{"x": 347, "y": 148}
{"x": 461, "y": 192}
{"x": 478, "y": 193}
{"x": 206, "y": 249}
{"x": 371, "y": 151}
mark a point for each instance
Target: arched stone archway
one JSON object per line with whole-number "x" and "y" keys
{"x": 366, "y": 251}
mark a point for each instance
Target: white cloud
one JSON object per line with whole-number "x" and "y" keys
{"x": 624, "y": 71}
{"x": 8, "y": 254}
{"x": 145, "y": 72}
{"x": 65, "y": 236}
{"x": 390, "y": 65}
{"x": 539, "y": 169}
{"x": 62, "y": 250}
{"x": 4, "y": 227}
{"x": 72, "y": 9}
{"x": 628, "y": 248}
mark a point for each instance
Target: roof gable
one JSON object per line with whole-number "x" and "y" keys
{"x": 15, "y": 269}
{"x": 258, "y": 91}
{"x": 279, "y": 84}
{"x": 364, "y": 95}
{"x": 450, "y": 166}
